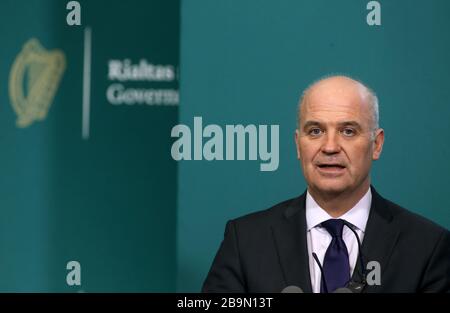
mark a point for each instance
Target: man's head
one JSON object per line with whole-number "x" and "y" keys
{"x": 338, "y": 135}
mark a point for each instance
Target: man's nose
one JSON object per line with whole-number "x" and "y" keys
{"x": 331, "y": 144}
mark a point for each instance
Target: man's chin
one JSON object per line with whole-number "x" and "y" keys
{"x": 331, "y": 189}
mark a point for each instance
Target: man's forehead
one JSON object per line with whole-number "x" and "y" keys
{"x": 336, "y": 115}
{"x": 339, "y": 96}
{"x": 335, "y": 106}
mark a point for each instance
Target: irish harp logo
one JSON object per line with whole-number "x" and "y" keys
{"x": 33, "y": 81}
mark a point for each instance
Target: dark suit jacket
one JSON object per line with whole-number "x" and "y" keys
{"x": 267, "y": 251}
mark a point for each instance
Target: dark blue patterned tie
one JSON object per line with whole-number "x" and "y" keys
{"x": 336, "y": 266}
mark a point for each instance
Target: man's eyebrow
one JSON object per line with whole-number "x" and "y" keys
{"x": 350, "y": 123}
{"x": 311, "y": 123}
{"x": 340, "y": 124}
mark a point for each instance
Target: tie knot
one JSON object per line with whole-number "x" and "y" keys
{"x": 334, "y": 227}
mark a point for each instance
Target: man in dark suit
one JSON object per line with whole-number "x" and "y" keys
{"x": 313, "y": 241}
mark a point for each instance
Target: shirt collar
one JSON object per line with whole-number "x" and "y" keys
{"x": 357, "y": 216}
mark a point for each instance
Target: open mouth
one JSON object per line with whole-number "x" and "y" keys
{"x": 331, "y": 169}
{"x": 337, "y": 166}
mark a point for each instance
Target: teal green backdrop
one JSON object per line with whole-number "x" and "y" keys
{"x": 107, "y": 202}
{"x": 246, "y": 62}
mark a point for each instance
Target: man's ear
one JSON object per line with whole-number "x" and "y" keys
{"x": 297, "y": 138}
{"x": 378, "y": 144}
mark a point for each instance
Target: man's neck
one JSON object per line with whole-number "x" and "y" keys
{"x": 340, "y": 203}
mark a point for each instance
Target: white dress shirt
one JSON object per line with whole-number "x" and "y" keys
{"x": 319, "y": 239}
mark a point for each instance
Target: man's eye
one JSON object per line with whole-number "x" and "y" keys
{"x": 315, "y": 131}
{"x": 349, "y": 132}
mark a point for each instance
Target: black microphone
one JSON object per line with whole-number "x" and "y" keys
{"x": 357, "y": 287}
{"x": 343, "y": 290}
{"x": 292, "y": 289}
{"x": 322, "y": 275}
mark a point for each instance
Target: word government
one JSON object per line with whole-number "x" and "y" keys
{"x": 117, "y": 94}
{"x": 235, "y": 137}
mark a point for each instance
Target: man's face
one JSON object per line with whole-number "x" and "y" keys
{"x": 334, "y": 141}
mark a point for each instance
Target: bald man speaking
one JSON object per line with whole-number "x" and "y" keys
{"x": 340, "y": 234}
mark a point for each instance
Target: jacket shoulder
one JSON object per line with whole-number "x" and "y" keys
{"x": 267, "y": 217}
{"x": 411, "y": 222}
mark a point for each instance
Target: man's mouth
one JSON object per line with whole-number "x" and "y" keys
{"x": 331, "y": 168}
{"x": 330, "y": 165}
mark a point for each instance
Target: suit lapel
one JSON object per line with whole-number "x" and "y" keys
{"x": 290, "y": 239}
{"x": 380, "y": 236}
